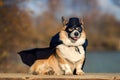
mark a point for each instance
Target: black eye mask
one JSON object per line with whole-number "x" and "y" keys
{"x": 74, "y": 23}
{"x": 75, "y": 27}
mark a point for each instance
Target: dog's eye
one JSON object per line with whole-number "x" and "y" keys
{"x": 78, "y": 28}
{"x": 71, "y": 29}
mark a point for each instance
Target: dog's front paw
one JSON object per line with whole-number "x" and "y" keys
{"x": 80, "y": 72}
{"x": 68, "y": 73}
{"x": 51, "y": 72}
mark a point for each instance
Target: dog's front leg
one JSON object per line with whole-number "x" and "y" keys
{"x": 63, "y": 63}
{"x": 66, "y": 68}
{"x": 79, "y": 65}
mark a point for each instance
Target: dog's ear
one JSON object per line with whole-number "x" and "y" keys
{"x": 64, "y": 21}
{"x": 81, "y": 21}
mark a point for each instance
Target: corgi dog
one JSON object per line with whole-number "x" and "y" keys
{"x": 69, "y": 51}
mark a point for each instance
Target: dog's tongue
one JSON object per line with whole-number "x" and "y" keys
{"x": 75, "y": 38}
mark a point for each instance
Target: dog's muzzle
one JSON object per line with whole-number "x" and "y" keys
{"x": 75, "y": 35}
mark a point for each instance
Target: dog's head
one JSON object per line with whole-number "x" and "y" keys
{"x": 73, "y": 27}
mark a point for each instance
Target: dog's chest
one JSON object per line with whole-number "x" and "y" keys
{"x": 72, "y": 54}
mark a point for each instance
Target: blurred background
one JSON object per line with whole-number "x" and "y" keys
{"x": 26, "y": 24}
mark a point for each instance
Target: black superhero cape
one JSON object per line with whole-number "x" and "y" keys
{"x": 29, "y": 56}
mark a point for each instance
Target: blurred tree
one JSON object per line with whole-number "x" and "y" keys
{"x": 85, "y": 6}
{"x": 16, "y": 29}
{"x": 1, "y": 3}
{"x": 54, "y": 6}
{"x": 105, "y": 32}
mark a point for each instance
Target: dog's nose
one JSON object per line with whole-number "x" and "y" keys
{"x": 76, "y": 33}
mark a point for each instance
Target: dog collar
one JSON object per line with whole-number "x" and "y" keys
{"x": 76, "y": 49}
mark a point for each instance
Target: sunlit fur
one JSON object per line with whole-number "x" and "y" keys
{"x": 48, "y": 66}
{"x": 65, "y": 60}
{"x": 67, "y": 41}
{"x": 71, "y": 59}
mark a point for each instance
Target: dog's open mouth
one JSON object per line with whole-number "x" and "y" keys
{"x": 75, "y": 38}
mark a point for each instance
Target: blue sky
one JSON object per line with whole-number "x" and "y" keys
{"x": 109, "y": 7}
{"x": 37, "y": 7}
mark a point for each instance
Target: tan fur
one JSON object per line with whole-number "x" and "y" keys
{"x": 63, "y": 62}
{"x": 67, "y": 64}
{"x": 57, "y": 64}
{"x": 66, "y": 40}
{"x": 46, "y": 66}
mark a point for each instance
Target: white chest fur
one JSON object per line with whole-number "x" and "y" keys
{"x": 70, "y": 53}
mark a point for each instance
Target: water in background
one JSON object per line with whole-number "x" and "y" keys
{"x": 102, "y": 62}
